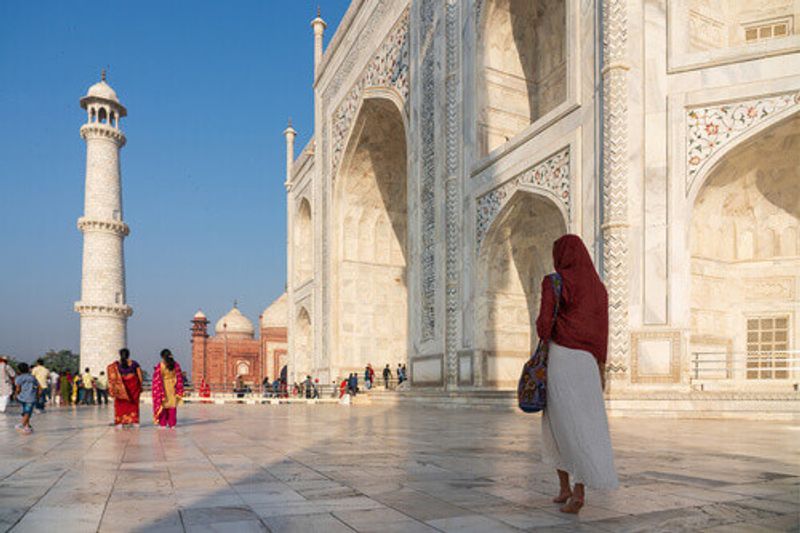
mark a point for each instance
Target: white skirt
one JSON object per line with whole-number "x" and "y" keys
{"x": 574, "y": 425}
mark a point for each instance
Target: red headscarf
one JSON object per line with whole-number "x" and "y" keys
{"x": 582, "y": 321}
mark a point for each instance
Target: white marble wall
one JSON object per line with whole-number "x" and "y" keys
{"x": 439, "y": 63}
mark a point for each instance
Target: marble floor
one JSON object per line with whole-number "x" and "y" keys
{"x": 330, "y": 468}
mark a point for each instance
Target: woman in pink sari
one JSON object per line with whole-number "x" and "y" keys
{"x": 167, "y": 391}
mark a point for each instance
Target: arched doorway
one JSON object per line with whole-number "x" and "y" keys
{"x": 745, "y": 260}
{"x": 303, "y": 243}
{"x": 371, "y": 214}
{"x": 303, "y": 345}
{"x": 521, "y": 66}
{"x": 514, "y": 257}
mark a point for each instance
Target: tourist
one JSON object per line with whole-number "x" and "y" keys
{"x": 167, "y": 390}
{"x": 125, "y": 384}
{"x": 343, "y": 387}
{"x": 575, "y": 436}
{"x": 42, "y": 375}
{"x": 55, "y": 397}
{"x": 238, "y": 387}
{"x": 205, "y": 390}
{"x": 399, "y": 374}
{"x": 405, "y": 373}
{"x": 65, "y": 387}
{"x": 87, "y": 381}
{"x": 266, "y": 387}
{"x": 367, "y": 383}
{"x": 28, "y": 393}
{"x": 387, "y": 375}
{"x": 77, "y": 390}
{"x": 7, "y": 375}
{"x": 101, "y": 385}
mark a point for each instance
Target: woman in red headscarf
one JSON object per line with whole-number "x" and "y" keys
{"x": 575, "y": 434}
{"x": 125, "y": 386}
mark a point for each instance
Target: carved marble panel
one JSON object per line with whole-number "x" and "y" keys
{"x": 551, "y": 176}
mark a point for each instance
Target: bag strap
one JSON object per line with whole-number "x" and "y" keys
{"x": 555, "y": 279}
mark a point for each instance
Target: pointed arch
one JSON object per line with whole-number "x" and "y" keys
{"x": 370, "y": 192}
{"x": 512, "y": 261}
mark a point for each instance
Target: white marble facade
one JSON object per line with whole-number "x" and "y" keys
{"x": 455, "y": 140}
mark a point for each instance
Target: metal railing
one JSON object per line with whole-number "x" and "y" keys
{"x": 752, "y": 366}
{"x": 297, "y": 390}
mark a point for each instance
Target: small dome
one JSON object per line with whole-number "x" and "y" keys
{"x": 234, "y": 324}
{"x": 102, "y": 90}
{"x": 199, "y": 314}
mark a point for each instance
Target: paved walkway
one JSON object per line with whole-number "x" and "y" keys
{"x": 376, "y": 468}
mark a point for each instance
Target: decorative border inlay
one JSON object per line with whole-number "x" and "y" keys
{"x": 551, "y": 175}
{"x": 427, "y": 190}
{"x": 388, "y": 68}
{"x": 674, "y": 374}
{"x": 453, "y": 194}
{"x": 709, "y": 129}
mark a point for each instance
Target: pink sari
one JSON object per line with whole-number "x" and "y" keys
{"x": 159, "y": 395}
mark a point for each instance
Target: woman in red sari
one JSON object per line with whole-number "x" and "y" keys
{"x": 167, "y": 391}
{"x": 125, "y": 385}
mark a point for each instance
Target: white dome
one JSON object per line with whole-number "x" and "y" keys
{"x": 276, "y": 315}
{"x": 234, "y": 324}
{"x": 102, "y": 90}
{"x": 199, "y": 314}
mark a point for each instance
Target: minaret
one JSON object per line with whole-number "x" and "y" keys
{"x": 290, "y": 134}
{"x": 200, "y": 346}
{"x": 104, "y": 313}
{"x": 319, "y": 29}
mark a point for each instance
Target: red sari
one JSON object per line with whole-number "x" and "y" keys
{"x": 125, "y": 385}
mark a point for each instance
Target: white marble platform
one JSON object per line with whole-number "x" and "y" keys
{"x": 382, "y": 468}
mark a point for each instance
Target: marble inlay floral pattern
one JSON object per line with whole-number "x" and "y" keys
{"x": 711, "y": 128}
{"x": 388, "y": 68}
{"x": 551, "y": 175}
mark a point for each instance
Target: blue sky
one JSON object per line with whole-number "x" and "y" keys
{"x": 208, "y": 87}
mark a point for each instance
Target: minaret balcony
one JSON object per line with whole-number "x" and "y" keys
{"x": 113, "y": 310}
{"x": 117, "y": 227}
{"x": 97, "y": 130}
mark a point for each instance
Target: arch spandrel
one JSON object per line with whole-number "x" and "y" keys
{"x": 551, "y": 178}
{"x": 712, "y": 131}
{"x": 387, "y": 71}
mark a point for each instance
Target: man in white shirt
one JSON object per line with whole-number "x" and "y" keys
{"x": 7, "y": 375}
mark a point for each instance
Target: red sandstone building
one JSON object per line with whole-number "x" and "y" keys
{"x": 234, "y": 351}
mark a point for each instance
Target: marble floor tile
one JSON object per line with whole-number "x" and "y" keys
{"x": 470, "y": 524}
{"x": 314, "y": 523}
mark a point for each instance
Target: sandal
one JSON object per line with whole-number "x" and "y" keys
{"x": 573, "y": 506}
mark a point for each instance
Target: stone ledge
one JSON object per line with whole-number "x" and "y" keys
{"x": 117, "y": 227}
{"x": 122, "y": 311}
{"x": 103, "y": 131}
{"x": 666, "y": 404}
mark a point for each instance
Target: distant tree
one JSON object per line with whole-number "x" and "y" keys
{"x": 62, "y": 361}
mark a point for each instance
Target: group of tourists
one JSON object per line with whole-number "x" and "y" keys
{"x": 123, "y": 380}
{"x": 126, "y": 383}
